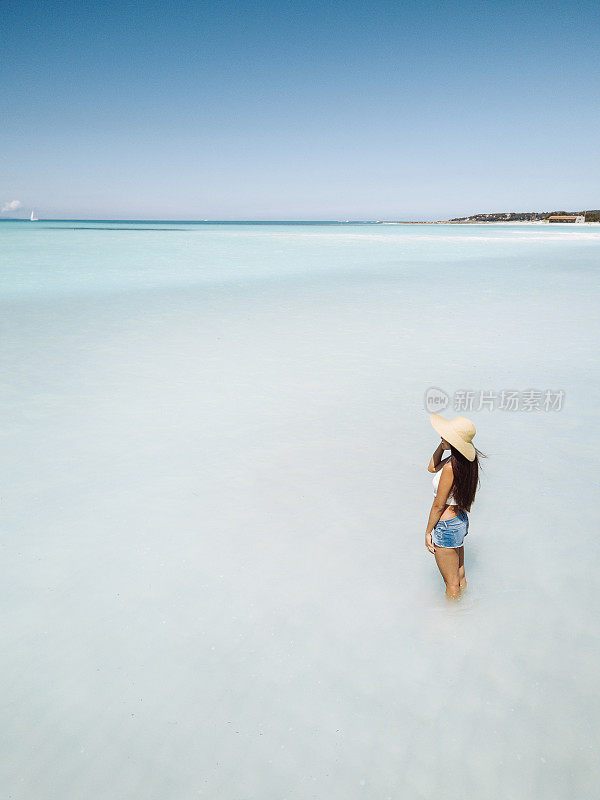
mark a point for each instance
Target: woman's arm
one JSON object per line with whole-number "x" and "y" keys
{"x": 439, "y": 503}
{"x": 436, "y": 458}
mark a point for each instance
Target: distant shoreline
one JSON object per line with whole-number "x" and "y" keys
{"x": 466, "y": 221}
{"x": 485, "y": 222}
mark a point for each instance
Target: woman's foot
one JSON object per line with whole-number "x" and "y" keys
{"x": 463, "y": 583}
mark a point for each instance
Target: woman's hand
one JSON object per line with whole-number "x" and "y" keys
{"x": 437, "y": 456}
{"x": 429, "y": 543}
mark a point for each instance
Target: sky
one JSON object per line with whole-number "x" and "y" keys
{"x": 298, "y": 110}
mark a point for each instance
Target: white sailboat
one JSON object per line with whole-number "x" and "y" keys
{"x": 33, "y": 217}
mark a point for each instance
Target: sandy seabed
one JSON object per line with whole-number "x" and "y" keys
{"x": 214, "y": 575}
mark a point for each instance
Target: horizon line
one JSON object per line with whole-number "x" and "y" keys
{"x": 213, "y": 221}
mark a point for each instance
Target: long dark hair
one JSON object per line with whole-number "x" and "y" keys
{"x": 466, "y": 478}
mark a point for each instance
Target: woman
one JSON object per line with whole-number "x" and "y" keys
{"x": 455, "y": 484}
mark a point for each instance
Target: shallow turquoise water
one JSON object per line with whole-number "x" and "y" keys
{"x": 90, "y": 258}
{"x": 214, "y": 496}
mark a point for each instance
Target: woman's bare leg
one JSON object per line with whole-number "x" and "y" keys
{"x": 447, "y": 560}
{"x": 461, "y": 566}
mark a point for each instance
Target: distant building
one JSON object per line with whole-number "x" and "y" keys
{"x": 574, "y": 218}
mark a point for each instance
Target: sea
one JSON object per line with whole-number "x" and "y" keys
{"x": 214, "y": 494}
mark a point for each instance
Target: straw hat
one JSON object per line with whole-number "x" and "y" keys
{"x": 458, "y": 432}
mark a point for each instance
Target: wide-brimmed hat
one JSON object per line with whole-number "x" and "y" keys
{"x": 458, "y": 432}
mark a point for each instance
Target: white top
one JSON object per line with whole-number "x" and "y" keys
{"x": 436, "y": 482}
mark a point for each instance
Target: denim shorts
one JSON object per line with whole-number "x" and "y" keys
{"x": 451, "y": 532}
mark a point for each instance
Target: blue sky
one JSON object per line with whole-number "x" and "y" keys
{"x": 299, "y": 110}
